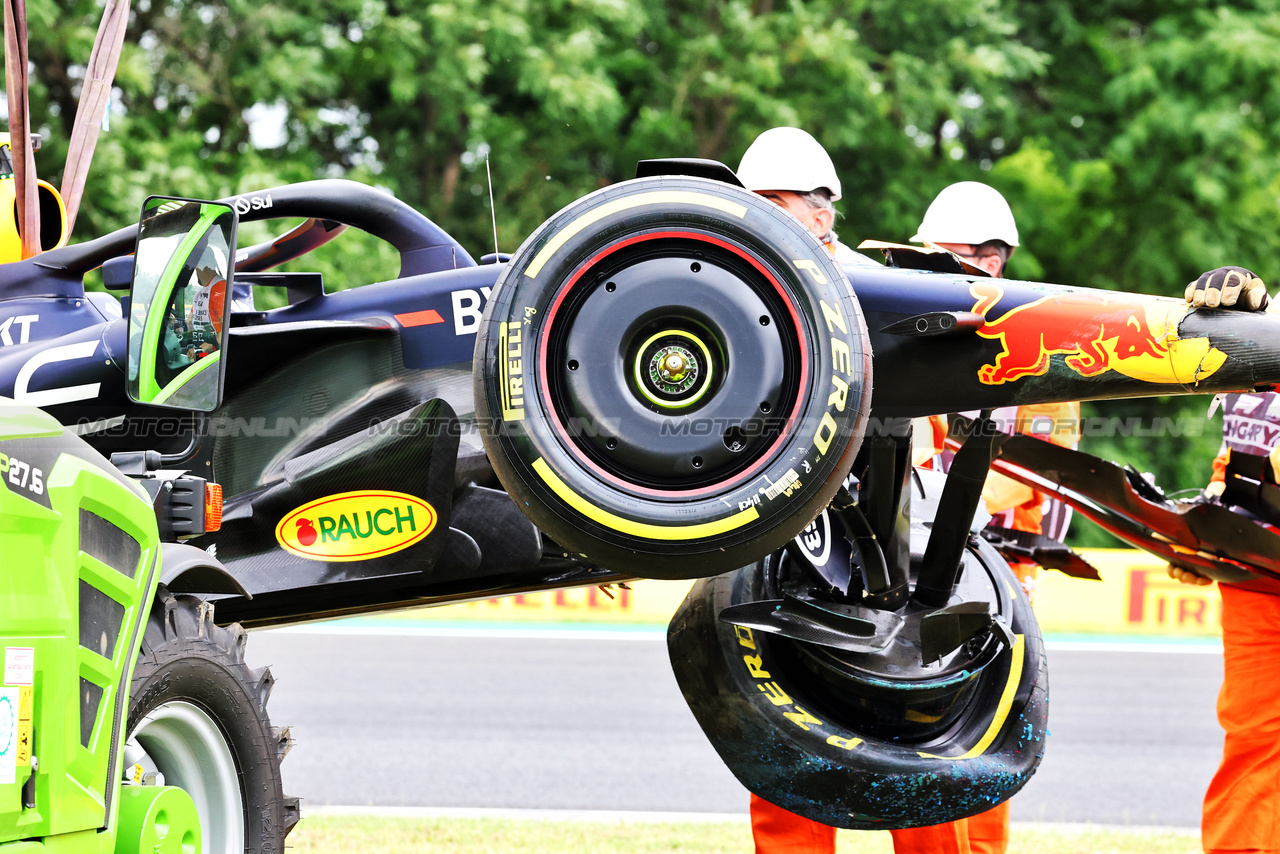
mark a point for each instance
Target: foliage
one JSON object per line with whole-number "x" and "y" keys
{"x": 1169, "y": 439}
{"x": 1136, "y": 140}
{"x": 561, "y": 97}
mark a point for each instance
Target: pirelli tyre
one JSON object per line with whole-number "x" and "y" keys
{"x": 672, "y": 376}
{"x": 842, "y": 739}
{"x": 197, "y": 715}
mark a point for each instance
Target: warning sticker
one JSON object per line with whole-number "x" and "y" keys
{"x": 8, "y": 735}
{"x": 26, "y": 695}
{"x": 19, "y": 665}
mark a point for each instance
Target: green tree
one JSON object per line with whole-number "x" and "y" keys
{"x": 1148, "y": 152}
{"x": 1134, "y": 139}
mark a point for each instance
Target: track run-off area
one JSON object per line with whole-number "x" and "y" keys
{"x": 472, "y": 718}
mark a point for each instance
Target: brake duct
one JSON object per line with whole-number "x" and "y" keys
{"x": 869, "y": 620}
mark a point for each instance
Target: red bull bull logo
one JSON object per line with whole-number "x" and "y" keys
{"x": 1095, "y": 333}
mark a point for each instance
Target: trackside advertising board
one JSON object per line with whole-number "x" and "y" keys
{"x": 1136, "y": 596}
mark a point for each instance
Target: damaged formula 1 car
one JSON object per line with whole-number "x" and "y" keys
{"x": 670, "y": 379}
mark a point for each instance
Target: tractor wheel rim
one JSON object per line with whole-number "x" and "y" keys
{"x": 186, "y": 745}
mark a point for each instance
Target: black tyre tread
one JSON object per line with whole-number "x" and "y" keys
{"x": 183, "y": 627}
{"x": 283, "y": 739}
{"x": 263, "y": 682}
{"x": 292, "y": 812}
{"x": 881, "y": 786}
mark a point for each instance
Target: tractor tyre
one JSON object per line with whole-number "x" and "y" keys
{"x": 198, "y": 714}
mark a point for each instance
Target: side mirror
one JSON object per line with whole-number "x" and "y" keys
{"x": 179, "y": 306}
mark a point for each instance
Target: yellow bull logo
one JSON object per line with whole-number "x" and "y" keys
{"x": 1097, "y": 333}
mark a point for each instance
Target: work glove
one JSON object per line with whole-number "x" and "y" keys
{"x": 1228, "y": 287}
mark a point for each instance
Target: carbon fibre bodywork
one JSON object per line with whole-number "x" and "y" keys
{"x": 362, "y": 389}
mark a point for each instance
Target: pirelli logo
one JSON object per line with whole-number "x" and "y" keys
{"x": 778, "y": 696}
{"x": 510, "y": 370}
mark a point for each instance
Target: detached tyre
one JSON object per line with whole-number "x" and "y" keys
{"x": 197, "y": 715}
{"x": 674, "y": 377}
{"x": 868, "y": 741}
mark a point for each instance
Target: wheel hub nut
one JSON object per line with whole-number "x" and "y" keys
{"x": 674, "y": 367}
{"x": 673, "y": 370}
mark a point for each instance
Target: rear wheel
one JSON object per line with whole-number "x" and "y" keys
{"x": 197, "y": 715}
{"x": 675, "y": 375}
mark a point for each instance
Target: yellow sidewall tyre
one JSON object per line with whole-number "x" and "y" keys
{"x": 817, "y": 748}
{"x": 672, "y": 377}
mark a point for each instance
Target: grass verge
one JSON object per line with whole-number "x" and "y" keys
{"x": 360, "y": 834}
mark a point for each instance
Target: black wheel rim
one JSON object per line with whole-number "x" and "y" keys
{"x": 891, "y": 695}
{"x": 673, "y": 363}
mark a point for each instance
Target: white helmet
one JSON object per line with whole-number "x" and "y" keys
{"x": 968, "y": 212}
{"x": 788, "y": 159}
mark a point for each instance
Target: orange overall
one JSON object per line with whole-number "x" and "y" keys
{"x": 1242, "y": 805}
{"x": 777, "y": 831}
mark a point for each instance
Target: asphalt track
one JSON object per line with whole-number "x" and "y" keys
{"x": 577, "y": 720}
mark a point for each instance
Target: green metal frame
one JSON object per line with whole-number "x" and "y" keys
{"x": 77, "y": 787}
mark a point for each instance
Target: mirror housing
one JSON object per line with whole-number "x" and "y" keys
{"x": 53, "y": 213}
{"x": 179, "y": 305}
{"x": 117, "y": 274}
